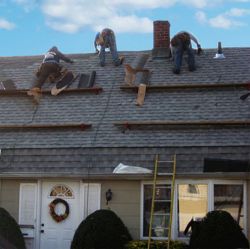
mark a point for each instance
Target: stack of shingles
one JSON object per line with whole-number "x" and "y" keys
{"x": 87, "y": 80}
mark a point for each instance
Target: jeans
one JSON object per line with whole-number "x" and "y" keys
{"x": 45, "y": 70}
{"x": 178, "y": 51}
{"x": 109, "y": 42}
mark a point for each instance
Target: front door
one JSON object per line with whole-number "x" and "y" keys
{"x": 58, "y": 235}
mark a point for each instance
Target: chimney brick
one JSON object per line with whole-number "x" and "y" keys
{"x": 161, "y": 34}
{"x": 161, "y": 39}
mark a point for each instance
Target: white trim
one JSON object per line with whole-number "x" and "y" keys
{"x": 38, "y": 220}
{"x": 245, "y": 199}
{"x": 141, "y": 211}
{"x": 85, "y": 199}
{"x": 35, "y": 211}
{"x": 81, "y": 200}
{"x": 21, "y": 194}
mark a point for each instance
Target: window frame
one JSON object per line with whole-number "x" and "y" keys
{"x": 210, "y": 201}
{"x": 142, "y": 210}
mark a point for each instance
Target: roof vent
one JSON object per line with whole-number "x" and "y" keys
{"x": 219, "y": 54}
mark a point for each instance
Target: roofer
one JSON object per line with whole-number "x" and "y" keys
{"x": 180, "y": 43}
{"x": 106, "y": 39}
{"x": 49, "y": 66}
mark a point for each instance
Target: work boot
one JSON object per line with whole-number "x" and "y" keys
{"x": 191, "y": 68}
{"x": 36, "y": 93}
{"x": 176, "y": 71}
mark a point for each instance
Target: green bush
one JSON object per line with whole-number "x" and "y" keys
{"x": 101, "y": 230}
{"x": 218, "y": 230}
{"x": 143, "y": 244}
{"x": 9, "y": 229}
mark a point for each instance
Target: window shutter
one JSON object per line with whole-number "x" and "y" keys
{"x": 27, "y": 203}
{"x": 92, "y": 198}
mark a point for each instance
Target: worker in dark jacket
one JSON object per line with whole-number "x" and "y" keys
{"x": 50, "y": 65}
{"x": 180, "y": 43}
{"x": 106, "y": 39}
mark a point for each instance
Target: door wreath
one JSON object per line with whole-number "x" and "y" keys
{"x": 54, "y": 215}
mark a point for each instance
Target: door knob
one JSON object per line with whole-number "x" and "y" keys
{"x": 41, "y": 231}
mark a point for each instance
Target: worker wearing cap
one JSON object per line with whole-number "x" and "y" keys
{"x": 106, "y": 39}
{"x": 180, "y": 43}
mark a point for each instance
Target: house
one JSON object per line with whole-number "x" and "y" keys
{"x": 68, "y": 146}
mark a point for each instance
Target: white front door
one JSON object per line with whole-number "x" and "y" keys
{"x": 58, "y": 235}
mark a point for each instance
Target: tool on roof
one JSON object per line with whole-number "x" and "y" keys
{"x": 164, "y": 227}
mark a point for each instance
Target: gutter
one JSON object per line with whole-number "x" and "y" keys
{"x": 200, "y": 175}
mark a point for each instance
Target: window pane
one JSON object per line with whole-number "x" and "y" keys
{"x": 61, "y": 191}
{"x": 230, "y": 198}
{"x": 161, "y": 210}
{"x": 192, "y": 203}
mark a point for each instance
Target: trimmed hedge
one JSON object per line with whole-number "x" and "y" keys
{"x": 218, "y": 230}
{"x": 102, "y": 229}
{"x": 143, "y": 244}
{"x": 9, "y": 229}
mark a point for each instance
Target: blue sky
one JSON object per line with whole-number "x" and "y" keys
{"x": 31, "y": 27}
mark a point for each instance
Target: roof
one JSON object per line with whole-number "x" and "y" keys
{"x": 115, "y": 105}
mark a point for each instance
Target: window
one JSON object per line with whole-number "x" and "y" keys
{"x": 161, "y": 210}
{"x": 192, "y": 203}
{"x": 61, "y": 191}
{"x": 193, "y": 199}
{"x": 230, "y": 198}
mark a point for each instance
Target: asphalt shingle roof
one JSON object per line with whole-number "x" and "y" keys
{"x": 113, "y": 105}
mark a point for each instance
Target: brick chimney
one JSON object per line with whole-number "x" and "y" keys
{"x": 161, "y": 40}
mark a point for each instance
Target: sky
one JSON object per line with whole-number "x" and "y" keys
{"x": 31, "y": 27}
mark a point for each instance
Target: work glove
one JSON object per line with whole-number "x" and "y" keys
{"x": 199, "y": 50}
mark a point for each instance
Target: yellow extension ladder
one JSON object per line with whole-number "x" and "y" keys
{"x": 173, "y": 173}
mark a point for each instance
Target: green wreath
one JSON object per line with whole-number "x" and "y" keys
{"x": 54, "y": 215}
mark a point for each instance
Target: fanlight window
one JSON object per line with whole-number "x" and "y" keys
{"x": 61, "y": 191}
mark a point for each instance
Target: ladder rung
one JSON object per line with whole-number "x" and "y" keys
{"x": 165, "y": 161}
{"x": 165, "y": 174}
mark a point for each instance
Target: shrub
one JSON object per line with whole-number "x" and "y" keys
{"x": 9, "y": 229}
{"x": 218, "y": 230}
{"x": 102, "y": 229}
{"x": 143, "y": 244}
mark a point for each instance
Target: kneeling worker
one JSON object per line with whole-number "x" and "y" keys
{"x": 50, "y": 65}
